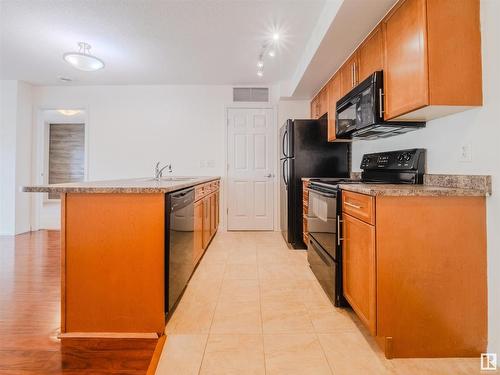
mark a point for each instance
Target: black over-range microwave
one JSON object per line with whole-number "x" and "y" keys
{"x": 360, "y": 114}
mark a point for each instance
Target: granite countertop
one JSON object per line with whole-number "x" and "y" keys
{"x": 435, "y": 185}
{"x": 136, "y": 185}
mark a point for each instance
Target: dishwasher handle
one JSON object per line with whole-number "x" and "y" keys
{"x": 181, "y": 199}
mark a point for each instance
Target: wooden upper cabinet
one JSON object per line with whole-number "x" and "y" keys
{"x": 349, "y": 74}
{"x": 358, "y": 267}
{"x": 432, "y": 59}
{"x": 333, "y": 97}
{"x": 323, "y": 102}
{"x": 405, "y": 78}
{"x": 315, "y": 107}
{"x": 371, "y": 54}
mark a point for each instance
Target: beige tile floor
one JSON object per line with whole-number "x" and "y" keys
{"x": 254, "y": 307}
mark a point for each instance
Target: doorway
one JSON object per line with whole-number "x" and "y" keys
{"x": 61, "y": 157}
{"x": 250, "y": 169}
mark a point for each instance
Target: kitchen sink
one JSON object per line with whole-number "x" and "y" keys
{"x": 171, "y": 179}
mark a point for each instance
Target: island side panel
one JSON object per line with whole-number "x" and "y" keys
{"x": 431, "y": 276}
{"x": 114, "y": 263}
{"x": 63, "y": 262}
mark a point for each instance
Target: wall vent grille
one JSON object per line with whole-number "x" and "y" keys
{"x": 250, "y": 94}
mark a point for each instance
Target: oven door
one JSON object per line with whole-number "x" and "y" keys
{"x": 322, "y": 220}
{"x": 324, "y": 268}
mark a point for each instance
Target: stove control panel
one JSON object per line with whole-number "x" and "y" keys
{"x": 412, "y": 160}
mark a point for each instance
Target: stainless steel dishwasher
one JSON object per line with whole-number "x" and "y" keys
{"x": 179, "y": 263}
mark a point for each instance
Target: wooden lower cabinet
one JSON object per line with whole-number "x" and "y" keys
{"x": 207, "y": 211}
{"x": 305, "y": 211}
{"x": 198, "y": 231}
{"x": 217, "y": 214}
{"x": 416, "y": 275}
{"x": 358, "y": 269}
{"x": 213, "y": 219}
{"x": 206, "y": 221}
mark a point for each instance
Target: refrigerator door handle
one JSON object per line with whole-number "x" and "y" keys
{"x": 284, "y": 172}
{"x": 283, "y": 143}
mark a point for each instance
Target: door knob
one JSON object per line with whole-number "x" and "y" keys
{"x": 269, "y": 175}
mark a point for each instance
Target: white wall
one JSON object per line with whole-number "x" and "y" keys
{"x": 480, "y": 128}
{"x": 8, "y": 157}
{"x": 132, "y": 127}
{"x": 293, "y": 109}
{"x": 15, "y": 156}
{"x": 23, "y": 156}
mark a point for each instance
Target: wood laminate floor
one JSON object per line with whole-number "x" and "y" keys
{"x": 30, "y": 318}
{"x": 254, "y": 307}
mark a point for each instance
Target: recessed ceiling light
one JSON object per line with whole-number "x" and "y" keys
{"x": 68, "y": 112}
{"x": 260, "y": 64}
{"x": 276, "y": 37}
{"x": 83, "y": 60}
{"x": 272, "y": 53}
{"x": 260, "y": 72}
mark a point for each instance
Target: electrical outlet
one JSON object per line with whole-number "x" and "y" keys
{"x": 466, "y": 153}
{"x": 211, "y": 163}
{"x": 203, "y": 164}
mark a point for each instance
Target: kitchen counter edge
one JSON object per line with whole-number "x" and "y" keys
{"x": 435, "y": 185}
{"x": 126, "y": 186}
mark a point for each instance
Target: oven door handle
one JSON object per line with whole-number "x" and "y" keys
{"x": 339, "y": 239}
{"x": 328, "y": 195}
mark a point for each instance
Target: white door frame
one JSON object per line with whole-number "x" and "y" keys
{"x": 40, "y": 157}
{"x": 225, "y": 184}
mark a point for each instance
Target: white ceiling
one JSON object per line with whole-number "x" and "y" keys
{"x": 154, "y": 42}
{"x": 350, "y": 22}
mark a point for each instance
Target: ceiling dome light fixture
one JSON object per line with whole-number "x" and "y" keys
{"x": 276, "y": 37}
{"x": 82, "y": 59}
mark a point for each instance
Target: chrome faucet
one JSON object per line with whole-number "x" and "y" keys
{"x": 159, "y": 171}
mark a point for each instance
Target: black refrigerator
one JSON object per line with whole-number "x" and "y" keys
{"x": 305, "y": 152}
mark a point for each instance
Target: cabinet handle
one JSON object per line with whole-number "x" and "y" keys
{"x": 355, "y": 74}
{"x": 352, "y": 205}
{"x": 352, "y": 75}
{"x": 381, "y": 102}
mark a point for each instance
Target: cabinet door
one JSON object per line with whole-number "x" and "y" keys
{"x": 371, "y": 54}
{"x": 314, "y": 108}
{"x": 212, "y": 215}
{"x": 217, "y": 218}
{"x": 358, "y": 267}
{"x": 406, "y": 73}
{"x": 198, "y": 231}
{"x": 323, "y": 102}
{"x": 349, "y": 74}
{"x": 333, "y": 96}
{"x": 206, "y": 221}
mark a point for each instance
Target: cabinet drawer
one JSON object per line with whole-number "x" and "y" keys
{"x": 199, "y": 192}
{"x": 361, "y": 206}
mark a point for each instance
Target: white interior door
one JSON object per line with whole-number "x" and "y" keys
{"x": 250, "y": 169}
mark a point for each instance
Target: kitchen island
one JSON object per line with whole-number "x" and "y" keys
{"x": 113, "y": 240}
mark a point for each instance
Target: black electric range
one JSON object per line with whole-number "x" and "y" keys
{"x": 324, "y": 218}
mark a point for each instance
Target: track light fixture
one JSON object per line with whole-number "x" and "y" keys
{"x": 268, "y": 48}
